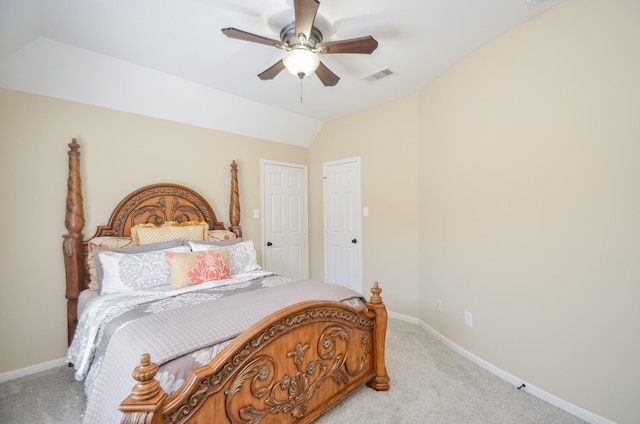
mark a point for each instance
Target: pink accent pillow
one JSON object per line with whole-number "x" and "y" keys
{"x": 190, "y": 268}
{"x": 220, "y": 235}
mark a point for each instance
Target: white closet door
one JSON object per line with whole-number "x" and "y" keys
{"x": 285, "y": 228}
{"x": 343, "y": 223}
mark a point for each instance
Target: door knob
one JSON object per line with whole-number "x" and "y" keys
{"x": 269, "y": 243}
{"x": 354, "y": 241}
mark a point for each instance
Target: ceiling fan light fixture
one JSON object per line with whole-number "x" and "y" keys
{"x": 301, "y": 61}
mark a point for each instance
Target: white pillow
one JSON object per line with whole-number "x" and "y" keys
{"x": 242, "y": 256}
{"x": 128, "y": 272}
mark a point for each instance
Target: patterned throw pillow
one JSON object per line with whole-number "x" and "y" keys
{"x": 188, "y": 269}
{"x": 210, "y": 242}
{"x": 151, "y": 233}
{"x": 102, "y": 243}
{"x": 122, "y": 245}
{"x": 129, "y": 272}
{"x": 242, "y": 256}
{"x": 220, "y": 235}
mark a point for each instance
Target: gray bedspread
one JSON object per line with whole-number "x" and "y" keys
{"x": 181, "y": 331}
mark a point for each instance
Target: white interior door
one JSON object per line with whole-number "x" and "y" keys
{"x": 343, "y": 223}
{"x": 285, "y": 236}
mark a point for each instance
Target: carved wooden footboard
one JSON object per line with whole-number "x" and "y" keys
{"x": 288, "y": 368}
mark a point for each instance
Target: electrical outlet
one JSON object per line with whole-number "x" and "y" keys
{"x": 439, "y": 305}
{"x": 468, "y": 319}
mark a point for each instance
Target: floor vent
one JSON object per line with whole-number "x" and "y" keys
{"x": 377, "y": 76}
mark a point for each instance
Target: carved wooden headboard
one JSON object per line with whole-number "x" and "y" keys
{"x": 156, "y": 203}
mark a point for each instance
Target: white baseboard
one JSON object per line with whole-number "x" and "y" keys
{"x": 509, "y": 378}
{"x": 405, "y": 318}
{"x": 12, "y": 375}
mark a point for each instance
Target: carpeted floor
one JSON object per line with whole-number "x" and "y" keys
{"x": 445, "y": 388}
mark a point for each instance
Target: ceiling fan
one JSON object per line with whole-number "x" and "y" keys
{"x": 302, "y": 42}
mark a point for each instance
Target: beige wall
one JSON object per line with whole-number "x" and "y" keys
{"x": 120, "y": 152}
{"x": 386, "y": 140}
{"x": 530, "y": 204}
{"x": 509, "y": 188}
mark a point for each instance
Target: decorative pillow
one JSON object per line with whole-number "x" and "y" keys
{"x": 220, "y": 242}
{"x": 242, "y": 256}
{"x": 151, "y": 233}
{"x": 121, "y": 244}
{"x": 128, "y": 272}
{"x": 188, "y": 269}
{"x": 102, "y": 243}
{"x": 151, "y": 247}
{"x": 220, "y": 235}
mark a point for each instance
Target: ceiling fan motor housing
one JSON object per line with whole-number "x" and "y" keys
{"x": 291, "y": 39}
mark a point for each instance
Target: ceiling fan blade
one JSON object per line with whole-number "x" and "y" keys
{"x": 363, "y": 45}
{"x": 327, "y": 77}
{"x": 305, "y": 11}
{"x": 273, "y": 71}
{"x": 247, "y": 36}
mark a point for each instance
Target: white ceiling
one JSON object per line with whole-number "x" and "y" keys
{"x": 169, "y": 59}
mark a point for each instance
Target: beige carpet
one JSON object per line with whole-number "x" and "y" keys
{"x": 443, "y": 388}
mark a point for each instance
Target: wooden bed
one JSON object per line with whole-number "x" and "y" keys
{"x": 290, "y": 367}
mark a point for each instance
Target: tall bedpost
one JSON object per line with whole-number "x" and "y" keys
{"x": 72, "y": 245}
{"x": 380, "y": 381}
{"x": 234, "y": 203}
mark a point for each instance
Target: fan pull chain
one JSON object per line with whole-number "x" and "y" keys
{"x": 301, "y": 76}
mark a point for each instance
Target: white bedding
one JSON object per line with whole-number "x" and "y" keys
{"x": 99, "y": 310}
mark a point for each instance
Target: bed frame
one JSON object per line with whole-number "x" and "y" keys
{"x": 154, "y": 203}
{"x": 289, "y": 367}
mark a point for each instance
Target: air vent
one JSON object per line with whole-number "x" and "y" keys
{"x": 377, "y": 76}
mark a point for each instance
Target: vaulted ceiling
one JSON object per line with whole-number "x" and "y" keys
{"x": 169, "y": 59}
